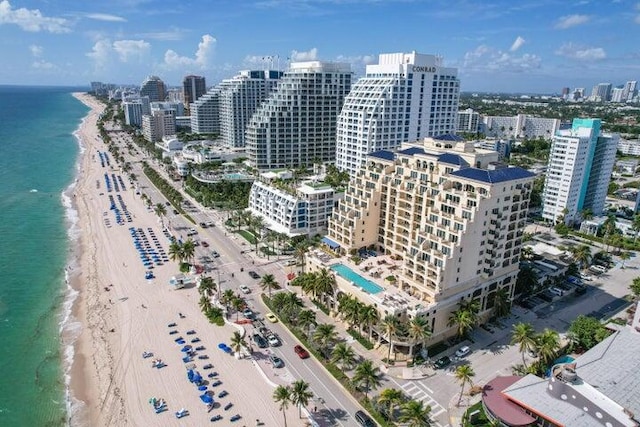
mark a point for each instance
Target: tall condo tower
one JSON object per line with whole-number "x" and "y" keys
{"x": 296, "y": 125}
{"x": 240, "y": 97}
{"x": 154, "y": 88}
{"x": 205, "y": 113}
{"x": 580, "y": 165}
{"x": 405, "y": 97}
{"x": 193, "y": 87}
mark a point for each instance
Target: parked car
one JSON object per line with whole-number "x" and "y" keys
{"x": 271, "y": 317}
{"x": 586, "y": 277}
{"x": 215, "y": 254}
{"x": 254, "y": 275}
{"x": 205, "y": 244}
{"x": 273, "y": 340}
{"x": 245, "y": 289}
{"x": 364, "y": 420}
{"x": 443, "y": 362}
{"x": 301, "y": 352}
{"x": 260, "y": 341}
{"x": 248, "y": 313}
{"x": 463, "y": 351}
{"x": 203, "y": 225}
{"x": 276, "y": 361}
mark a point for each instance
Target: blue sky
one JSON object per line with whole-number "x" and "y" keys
{"x": 497, "y": 45}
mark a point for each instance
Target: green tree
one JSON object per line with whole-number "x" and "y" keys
{"x": 344, "y": 356}
{"x": 464, "y": 374}
{"x": 501, "y": 302}
{"x": 635, "y": 288}
{"x": 390, "y": 325}
{"x": 582, "y": 255}
{"x": 526, "y": 281}
{"x": 268, "y": 282}
{"x": 547, "y": 345}
{"x": 624, "y": 256}
{"x": 419, "y": 332}
{"x": 391, "y": 398}
{"x": 525, "y": 337}
{"x": 204, "y": 303}
{"x": 160, "y": 211}
{"x": 282, "y": 395}
{"x": 463, "y": 320}
{"x": 635, "y": 226}
{"x": 325, "y": 335}
{"x": 189, "y": 250}
{"x": 585, "y": 332}
{"x": 307, "y": 319}
{"x": 415, "y": 414}
{"x": 300, "y": 395}
{"x": 366, "y": 376}
{"x": 175, "y": 252}
{"x": 237, "y": 342}
{"x": 369, "y": 316}
{"x": 207, "y": 286}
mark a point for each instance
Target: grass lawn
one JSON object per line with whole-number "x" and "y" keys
{"x": 248, "y": 236}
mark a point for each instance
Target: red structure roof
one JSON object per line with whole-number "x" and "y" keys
{"x": 501, "y": 407}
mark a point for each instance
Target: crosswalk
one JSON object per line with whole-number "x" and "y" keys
{"x": 419, "y": 391}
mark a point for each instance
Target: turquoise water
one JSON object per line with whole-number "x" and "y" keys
{"x": 360, "y": 281}
{"x": 236, "y": 176}
{"x": 37, "y": 162}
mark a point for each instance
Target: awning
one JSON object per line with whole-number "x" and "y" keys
{"x": 327, "y": 241}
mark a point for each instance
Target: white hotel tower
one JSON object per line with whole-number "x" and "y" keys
{"x": 405, "y": 97}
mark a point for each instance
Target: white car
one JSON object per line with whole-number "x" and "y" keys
{"x": 274, "y": 341}
{"x": 463, "y": 351}
{"x": 245, "y": 289}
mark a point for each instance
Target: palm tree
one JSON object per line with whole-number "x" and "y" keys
{"x": 161, "y": 211}
{"x": 300, "y": 252}
{"x": 207, "y": 285}
{"x": 390, "y": 325}
{"x": 325, "y": 335}
{"x": 175, "y": 252}
{"x": 501, "y": 302}
{"x": 464, "y": 373}
{"x": 525, "y": 336}
{"x": 415, "y": 414}
{"x": 526, "y": 281}
{"x": 300, "y": 395}
{"x": 282, "y": 395}
{"x": 189, "y": 250}
{"x": 227, "y": 298}
{"x": 237, "y": 304}
{"x": 367, "y": 376}
{"x": 343, "y": 355}
{"x": 635, "y": 226}
{"x": 306, "y": 319}
{"x": 463, "y": 320}
{"x": 325, "y": 285}
{"x": 624, "y": 256}
{"x": 237, "y": 342}
{"x": 268, "y": 282}
{"x": 291, "y": 305}
{"x": 419, "y": 332}
{"x": 369, "y": 316}
{"x": 582, "y": 255}
{"x": 548, "y": 344}
{"x": 204, "y": 303}
{"x": 391, "y": 397}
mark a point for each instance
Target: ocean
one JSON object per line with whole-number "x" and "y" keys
{"x": 38, "y": 155}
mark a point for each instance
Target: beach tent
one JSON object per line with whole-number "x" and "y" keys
{"x": 206, "y": 398}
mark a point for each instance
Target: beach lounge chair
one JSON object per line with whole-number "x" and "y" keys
{"x": 235, "y": 418}
{"x": 216, "y": 418}
{"x": 228, "y": 406}
{"x": 222, "y": 394}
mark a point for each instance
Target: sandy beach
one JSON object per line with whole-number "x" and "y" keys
{"x": 123, "y": 315}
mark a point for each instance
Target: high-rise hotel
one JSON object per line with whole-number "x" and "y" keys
{"x": 296, "y": 125}
{"x": 450, "y": 217}
{"x": 405, "y": 97}
{"x": 579, "y": 170}
{"x": 193, "y": 87}
{"x": 240, "y": 97}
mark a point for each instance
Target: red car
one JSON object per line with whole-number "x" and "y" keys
{"x": 205, "y": 244}
{"x": 301, "y": 352}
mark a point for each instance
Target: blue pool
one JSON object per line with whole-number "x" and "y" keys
{"x": 236, "y": 176}
{"x": 349, "y": 274}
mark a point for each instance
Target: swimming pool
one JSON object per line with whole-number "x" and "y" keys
{"x": 349, "y": 274}
{"x": 236, "y": 176}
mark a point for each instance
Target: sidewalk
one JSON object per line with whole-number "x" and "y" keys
{"x": 457, "y": 412}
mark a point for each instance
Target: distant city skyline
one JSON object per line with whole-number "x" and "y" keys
{"x": 536, "y": 46}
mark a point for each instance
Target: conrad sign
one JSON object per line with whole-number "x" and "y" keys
{"x": 423, "y": 69}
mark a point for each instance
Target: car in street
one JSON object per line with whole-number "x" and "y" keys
{"x": 260, "y": 341}
{"x": 463, "y": 351}
{"x": 271, "y": 317}
{"x": 276, "y": 361}
{"x": 210, "y": 224}
{"x": 364, "y": 420}
{"x": 254, "y": 275}
{"x": 301, "y": 352}
{"x": 203, "y": 224}
{"x": 273, "y": 340}
{"x": 248, "y": 313}
{"x": 290, "y": 262}
{"x": 215, "y": 254}
{"x": 443, "y": 362}
{"x": 205, "y": 244}
{"x": 586, "y": 277}
{"x": 245, "y": 289}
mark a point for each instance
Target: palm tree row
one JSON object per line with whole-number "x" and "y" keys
{"x": 413, "y": 413}
{"x": 182, "y": 251}
{"x": 546, "y": 344}
{"x": 321, "y": 285}
{"x": 297, "y": 394}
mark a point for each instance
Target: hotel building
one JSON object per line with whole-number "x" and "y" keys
{"x": 240, "y": 97}
{"x": 205, "y": 113}
{"x": 301, "y": 210}
{"x": 579, "y": 169}
{"x": 468, "y": 121}
{"x": 520, "y": 126}
{"x": 448, "y": 213}
{"x": 193, "y": 87}
{"x": 296, "y": 125}
{"x": 154, "y": 88}
{"x": 158, "y": 124}
{"x": 405, "y": 97}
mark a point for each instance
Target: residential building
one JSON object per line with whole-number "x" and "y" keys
{"x": 468, "y": 121}
{"x": 296, "y": 125}
{"x": 240, "y": 97}
{"x": 154, "y": 88}
{"x": 598, "y": 389}
{"x": 449, "y": 217}
{"x": 501, "y": 146}
{"x": 205, "y": 113}
{"x": 520, "y": 126}
{"x": 629, "y": 147}
{"x": 294, "y": 210}
{"x": 630, "y": 90}
{"x": 617, "y": 95}
{"x": 133, "y": 113}
{"x": 579, "y": 169}
{"x": 404, "y": 97}
{"x": 158, "y": 124}
{"x": 601, "y": 92}
{"x": 193, "y": 87}
{"x": 176, "y": 106}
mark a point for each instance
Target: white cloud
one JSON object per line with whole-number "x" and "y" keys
{"x": 485, "y": 58}
{"x": 101, "y": 53}
{"x": 517, "y": 44}
{"x": 43, "y": 65}
{"x": 173, "y": 33}
{"x": 105, "y": 17}
{"x": 571, "y": 21}
{"x": 131, "y": 49}
{"x": 581, "y": 53}
{"x": 202, "y": 57}
{"x": 35, "y": 50}
{"x": 310, "y": 55}
{"x": 31, "y": 19}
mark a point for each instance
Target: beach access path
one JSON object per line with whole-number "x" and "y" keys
{"x": 124, "y": 315}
